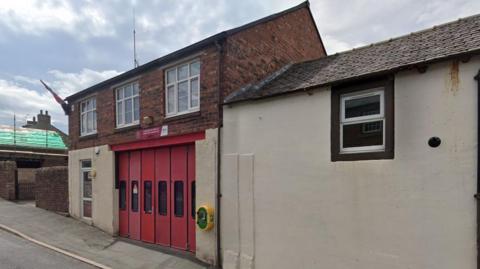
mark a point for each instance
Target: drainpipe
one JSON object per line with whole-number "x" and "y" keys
{"x": 477, "y": 195}
{"x": 221, "y": 55}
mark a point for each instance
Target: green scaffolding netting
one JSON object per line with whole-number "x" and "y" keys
{"x": 32, "y": 138}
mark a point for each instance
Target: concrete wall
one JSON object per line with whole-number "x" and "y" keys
{"x": 206, "y": 192}
{"x": 104, "y": 196}
{"x": 286, "y": 205}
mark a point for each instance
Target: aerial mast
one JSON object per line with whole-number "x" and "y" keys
{"x": 135, "y": 61}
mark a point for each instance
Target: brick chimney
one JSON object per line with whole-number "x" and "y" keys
{"x": 44, "y": 119}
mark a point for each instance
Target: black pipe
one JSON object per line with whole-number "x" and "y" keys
{"x": 477, "y": 195}
{"x": 221, "y": 51}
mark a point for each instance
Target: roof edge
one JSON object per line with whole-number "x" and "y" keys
{"x": 409, "y": 34}
{"x": 380, "y": 73}
{"x": 257, "y": 85}
{"x": 187, "y": 50}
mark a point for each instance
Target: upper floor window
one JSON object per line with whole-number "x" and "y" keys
{"x": 88, "y": 116}
{"x": 128, "y": 105}
{"x": 183, "y": 88}
{"x": 362, "y": 121}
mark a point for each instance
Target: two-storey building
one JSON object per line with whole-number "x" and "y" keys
{"x": 145, "y": 144}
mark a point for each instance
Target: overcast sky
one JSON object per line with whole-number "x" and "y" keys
{"x": 75, "y": 44}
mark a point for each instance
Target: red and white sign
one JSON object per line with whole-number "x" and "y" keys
{"x": 152, "y": 132}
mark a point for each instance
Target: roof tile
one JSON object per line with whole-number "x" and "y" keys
{"x": 447, "y": 40}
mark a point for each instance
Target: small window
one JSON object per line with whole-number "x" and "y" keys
{"x": 182, "y": 88}
{"x": 361, "y": 125}
{"x": 162, "y": 198}
{"x": 128, "y": 105}
{"x": 362, "y": 121}
{"x": 88, "y": 116}
{"x": 123, "y": 195}
{"x": 178, "y": 198}
{"x": 147, "y": 198}
{"x": 134, "y": 196}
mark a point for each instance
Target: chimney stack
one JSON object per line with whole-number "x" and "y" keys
{"x": 44, "y": 119}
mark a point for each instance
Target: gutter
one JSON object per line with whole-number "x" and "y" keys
{"x": 477, "y": 195}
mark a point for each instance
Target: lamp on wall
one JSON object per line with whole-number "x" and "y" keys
{"x": 147, "y": 120}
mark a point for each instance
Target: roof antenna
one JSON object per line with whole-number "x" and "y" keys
{"x": 135, "y": 61}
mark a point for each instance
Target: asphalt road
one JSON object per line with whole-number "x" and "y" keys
{"x": 18, "y": 253}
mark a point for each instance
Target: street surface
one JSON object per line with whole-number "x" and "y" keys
{"x": 18, "y": 253}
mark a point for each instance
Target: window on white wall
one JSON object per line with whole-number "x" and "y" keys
{"x": 183, "y": 88}
{"x": 88, "y": 116}
{"x": 362, "y": 124}
{"x": 128, "y": 105}
{"x": 362, "y": 118}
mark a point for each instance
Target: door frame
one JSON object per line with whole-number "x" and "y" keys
{"x": 82, "y": 198}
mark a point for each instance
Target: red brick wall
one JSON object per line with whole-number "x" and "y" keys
{"x": 51, "y": 188}
{"x": 250, "y": 55}
{"x": 257, "y": 52}
{"x": 7, "y": 179}
{"x": 152, "y": 103}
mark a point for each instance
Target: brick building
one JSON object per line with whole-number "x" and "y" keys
{"x": 145, "y": 144}
{"x": 23, "y": 150}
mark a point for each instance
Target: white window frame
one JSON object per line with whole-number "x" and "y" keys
{"x": 175, "y": 84}
{"x": 83, "y": 131}
{"x": 363, "y": 119}
{"x": 122, "y": 124}
{"x": 82, "y": 198}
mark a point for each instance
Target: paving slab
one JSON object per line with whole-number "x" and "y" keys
{"x": 85, "y": 240}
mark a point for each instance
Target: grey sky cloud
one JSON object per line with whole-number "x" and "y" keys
{"x": 75, "y": 44}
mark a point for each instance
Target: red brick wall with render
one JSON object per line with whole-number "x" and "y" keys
{"x": 152, "y": 103}
{"x": 249, "y": 56}
{"x": 51, "y": 188}
{"x": 257, "y": 52}
{"x": 7, "y": 179}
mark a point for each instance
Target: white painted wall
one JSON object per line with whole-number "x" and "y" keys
{"x": 104, "y": 194}
{"x": 286, "y": 205}
{"x": 206, "y": 192}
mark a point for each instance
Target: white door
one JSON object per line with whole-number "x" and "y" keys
{"x": 86, "y": 189}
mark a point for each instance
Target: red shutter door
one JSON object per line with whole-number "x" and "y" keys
{"x": 147, "y": 194}
{"x": 162, "y": 185}
{"x": 179, "y": 197}
{"x": 123, "y": 163}
{"x": 191, "y": 197}
{"x": 134, "y": 189}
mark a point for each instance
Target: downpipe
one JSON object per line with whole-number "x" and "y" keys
{"x": 221, "y": 54}
{"x": 477, "y": 195}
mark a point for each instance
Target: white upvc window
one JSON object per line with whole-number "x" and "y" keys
{"x": 182, "y": 89}
{"x": 128, "y": 105}
{"x": 88, "y": 116}
{"x": 362, "y": 121}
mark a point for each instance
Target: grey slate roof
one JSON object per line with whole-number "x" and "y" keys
{"x": 454, "y": 39}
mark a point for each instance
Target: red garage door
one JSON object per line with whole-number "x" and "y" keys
{"x": 157, "y": 196}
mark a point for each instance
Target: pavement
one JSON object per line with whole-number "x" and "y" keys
{"x": 17, "y": 253}
{"x": 84, "y": 240}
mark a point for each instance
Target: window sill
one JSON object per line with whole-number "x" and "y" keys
{"x": 182, "y": 116}
{"x": 363, "y": 156}
{"x": 127, "y": 128}
{"x": 88, "y": 136}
